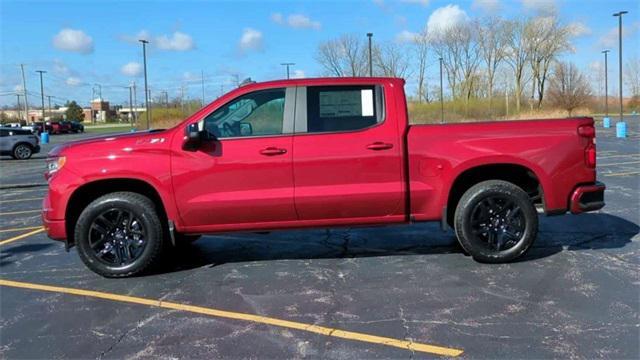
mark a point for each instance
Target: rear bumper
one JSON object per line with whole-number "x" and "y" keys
{"x": 587, "y": 198}
{"x": 36, "y": 149}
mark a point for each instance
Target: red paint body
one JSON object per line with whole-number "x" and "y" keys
{"x": 387, "y": 173}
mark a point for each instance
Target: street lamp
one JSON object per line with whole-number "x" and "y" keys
{"x": 287, "y": 65}
{"x": 606, "y": 122}
{"x": 370, "y": 35}
{"x": 621, "y": 124}
{"x": 146, "y": 88}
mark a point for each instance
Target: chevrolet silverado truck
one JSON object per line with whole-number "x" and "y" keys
{"x": 309, "y": 153}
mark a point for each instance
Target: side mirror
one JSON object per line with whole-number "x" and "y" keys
{"x": 192, "y": 137}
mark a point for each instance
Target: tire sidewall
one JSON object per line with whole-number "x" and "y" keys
{"x": 463, "y": 226}
{"x": 147, "y": 217}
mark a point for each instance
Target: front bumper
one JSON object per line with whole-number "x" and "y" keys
{"x": 587, "y": 198}
{"x": 55, "y": 229}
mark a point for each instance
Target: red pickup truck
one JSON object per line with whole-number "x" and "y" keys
{"x": 315, "y": 153}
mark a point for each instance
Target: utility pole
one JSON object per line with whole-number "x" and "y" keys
{"x": 26, "y": 99}
{"x": 182, "y": 99}
{"x": 42, "y": 91}
{"x": 49, "y": 99}
{"x": 370, "y": 35}
{"x": 146, "y": 91}
{"x": 619, "y": 15}
{"x": 202, "y": 82}
{"x": 441, "y": 95}
{"x": 606, "y": 85}
{"x": 287, "y": 65}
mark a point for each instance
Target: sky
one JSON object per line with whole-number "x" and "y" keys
{"x": 85, "y": 43}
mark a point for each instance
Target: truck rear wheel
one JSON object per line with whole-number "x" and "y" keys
{"x": 119, "y": 235}
{"x": 495, "y": 221}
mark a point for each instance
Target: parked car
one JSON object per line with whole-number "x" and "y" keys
{"x": 19, "y": 143}
{"x": 316, "y": 153}
{"x": 58, "y": 127}
{"x": 75, "y": 126}
{"x": 35, "y": 127}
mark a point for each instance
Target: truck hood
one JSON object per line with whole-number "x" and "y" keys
{"x": 99, "y": 144}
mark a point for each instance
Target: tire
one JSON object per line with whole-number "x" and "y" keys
{"x": 22, "y": 151}
{"x": 495, "y": 222}
{"x": 133, "y": 241}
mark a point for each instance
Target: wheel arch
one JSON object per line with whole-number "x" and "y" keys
{"x": 88, "y": 192}
{"x": 518, "y": 174}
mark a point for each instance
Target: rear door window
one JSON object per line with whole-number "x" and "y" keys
{"x": 343, "y": 108}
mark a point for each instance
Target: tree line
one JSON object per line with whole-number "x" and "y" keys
{"x": 521, "y": 56}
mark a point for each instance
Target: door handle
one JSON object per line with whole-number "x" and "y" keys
{"x": 378, "y": 145}
{"x": 271, "y": 151}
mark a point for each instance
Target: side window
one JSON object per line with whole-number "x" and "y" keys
{"x": 259, "y": 113}
{"x": 4, "y": 133}
{"x": 343, "y": 108}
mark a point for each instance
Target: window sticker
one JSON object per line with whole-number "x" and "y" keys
{"x": 367, "y": 102}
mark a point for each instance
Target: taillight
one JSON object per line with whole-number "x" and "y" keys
{"x": 589, "y": 132}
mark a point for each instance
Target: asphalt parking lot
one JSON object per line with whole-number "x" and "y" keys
{"x": 385, "y": 292}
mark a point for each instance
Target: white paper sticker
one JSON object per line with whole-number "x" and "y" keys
{"x": 367, "y": 102}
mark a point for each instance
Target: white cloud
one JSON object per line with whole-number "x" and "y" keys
{"x": 251, "y": 39}
{"x": 60, "y": 68}
{"x": 578, "y": 28}
{"x": 277, "y": 18}
{"x": 610, "y": 38}
{"x": 73, "y": 40}
{"x": 131, "y": 69}
{"x": 296, "y": 21}
{"x": 419, "y": 2}
{"x": 18, "y": 88}
{"x": 486, "y": 5}
{"x": 541, "y": 6}
{"x": 444, "y": 18}
{"x": 73, "y": 81}
{"x": 178, "y": 41}
{"x": 406, "y": 36}
{"x": 298, "y": 74}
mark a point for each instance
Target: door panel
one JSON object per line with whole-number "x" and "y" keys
{"x": 245, "y": 176}
{"x": 347, "y": 174}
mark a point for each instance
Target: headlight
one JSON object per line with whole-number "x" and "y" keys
{"x": 54, "y": 164}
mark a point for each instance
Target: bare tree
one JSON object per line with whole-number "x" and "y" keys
{"x": 632, "y": 76}
{"x": 344, "y": 56}
{"x": 443, "y": 45}
{"x": 421, "y": 44}
{"x": 391, "y": 59}
{"x": 492, "y": 37}
{"x": 569, "y": 88}
{"x": 517, "y": 54}
{"x": 547, "y": 39}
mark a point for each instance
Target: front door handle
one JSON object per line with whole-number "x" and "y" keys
{"x": 271, "y": 151}
{"x": 378, "y": 145}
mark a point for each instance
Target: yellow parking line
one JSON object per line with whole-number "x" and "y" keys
{"x": 21, "y": 212}
{"x": 622, "y": 163}
{"x": 20, "y": 229}
{"x": 349, "y": 335}
{"x": 19, "y": 200}
{"x": 623, "y": 174}
{"x": 16, "y": 238}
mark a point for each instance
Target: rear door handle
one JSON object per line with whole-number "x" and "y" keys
{"x": 378, "y": 145}
{"x": 272, "y": 151}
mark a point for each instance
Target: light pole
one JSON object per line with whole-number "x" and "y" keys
{"x": 131, "y": 105}
{"x": 370, "y": 35}
{"x": 441, "y": 95}
{"x": 287, "y": 66}
{"x": 606, "y": 122}
{"x": 146, "y": 88}
{"x": 49, "y": 101}
{"x": 42, "y": 91}
{"x": 619, "y": 15}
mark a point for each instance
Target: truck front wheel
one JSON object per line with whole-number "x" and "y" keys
{"x": 495, "y": 221}
{"x": 119, "y": 235}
